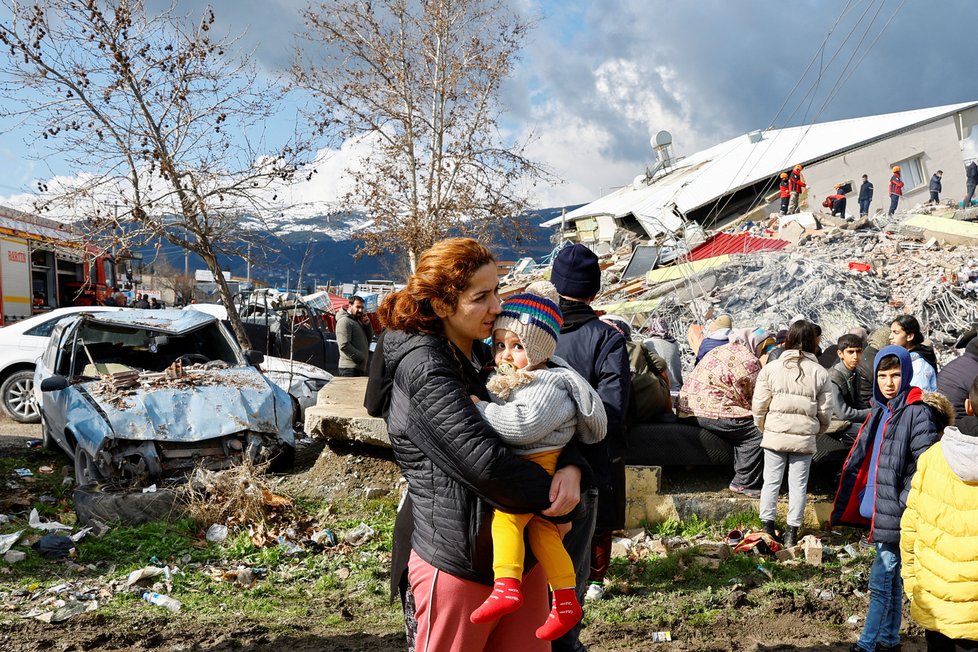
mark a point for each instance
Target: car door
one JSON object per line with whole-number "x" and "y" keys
{"x": 56, "y": 361}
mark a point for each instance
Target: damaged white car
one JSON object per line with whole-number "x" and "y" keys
{"x": 138, "y": 396}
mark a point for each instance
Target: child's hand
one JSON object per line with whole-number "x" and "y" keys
{"x": 475, "y": 399}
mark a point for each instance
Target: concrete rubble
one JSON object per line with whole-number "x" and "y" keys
{"x": 841, "y": 274}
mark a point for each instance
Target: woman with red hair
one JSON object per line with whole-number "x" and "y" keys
{"x": 428, "y": 363}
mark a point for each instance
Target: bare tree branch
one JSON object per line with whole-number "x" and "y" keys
{"x": 421, "y": 82}
{"x": 156, "y": 115}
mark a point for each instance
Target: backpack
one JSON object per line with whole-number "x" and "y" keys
{"x": 650, "y": 392}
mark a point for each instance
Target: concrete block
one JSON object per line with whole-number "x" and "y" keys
{"x": 339, "y": 415}
{"x": 14, "y": 556}
{"x": 642, "y": 484}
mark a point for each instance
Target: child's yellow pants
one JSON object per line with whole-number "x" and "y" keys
{"x": 545, "y": 541}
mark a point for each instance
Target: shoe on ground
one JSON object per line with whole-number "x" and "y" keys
{"x": 594, "y": 592}
{"x": 745, "y": 491}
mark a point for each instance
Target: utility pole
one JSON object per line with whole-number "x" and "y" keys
{"x": 186, "y": 256}
{"x": 288, "y": 276}
{"x": 248, "y": 260}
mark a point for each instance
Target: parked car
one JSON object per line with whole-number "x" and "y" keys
{"x": 284, "y": 327}
{"x": 138, "y": 396}
{"x": 289, "y": 328}
{"x": 21, "y": 344}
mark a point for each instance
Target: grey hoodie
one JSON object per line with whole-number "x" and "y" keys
{"x": 549, "y": 411}
{"x": 961, "y": 452}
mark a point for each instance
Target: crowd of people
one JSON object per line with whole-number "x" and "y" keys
{"x": 507, "y": 420}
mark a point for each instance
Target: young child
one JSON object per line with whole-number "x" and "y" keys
{"x": 543, "y": 406}
{"x": 939, "y": 537}
{"x": 792, "y": 405}
{"x": 875, "y": 482}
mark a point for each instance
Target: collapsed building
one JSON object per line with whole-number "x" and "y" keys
{"x": 699, "y": 235}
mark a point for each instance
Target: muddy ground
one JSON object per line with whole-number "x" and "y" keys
{"x": 746, "y": 622}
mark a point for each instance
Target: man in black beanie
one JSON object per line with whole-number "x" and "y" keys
{"x": 597, "y": 351}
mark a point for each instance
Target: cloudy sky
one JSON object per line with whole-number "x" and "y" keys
{"x": 597, "y": 79}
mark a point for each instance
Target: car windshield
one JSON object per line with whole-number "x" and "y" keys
{"x": 109, "y": 348}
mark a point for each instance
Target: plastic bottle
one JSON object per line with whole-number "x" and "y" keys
{"x": 162, "y": 601}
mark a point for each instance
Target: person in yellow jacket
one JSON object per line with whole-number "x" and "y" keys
{"x": 939, "y": 537}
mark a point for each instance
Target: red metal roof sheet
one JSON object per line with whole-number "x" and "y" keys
{"x": 724, "y": 243}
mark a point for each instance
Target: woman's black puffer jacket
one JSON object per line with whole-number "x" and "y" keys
{"x": 456, "y": 466}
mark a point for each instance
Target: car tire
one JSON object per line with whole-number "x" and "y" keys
{"x": 86, "y": 473}
{"x": 47, "y": 439}
{"x": 17, "y": 397}
{"x": 284, "y": 461}
{"x": 126, "y": 507}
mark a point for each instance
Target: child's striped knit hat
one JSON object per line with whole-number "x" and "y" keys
{"x": 534, "y": 315}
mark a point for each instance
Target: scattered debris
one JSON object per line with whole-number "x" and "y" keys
{"x": 359, "y": 535}
{"x": 55, "y": 546}
{"x": 35, "y": 522}
{"x": 14, "y": 556}
{"x": 8, "y": 540}
{"x": 216, "y": 533}
{"x": 162, "y": 600}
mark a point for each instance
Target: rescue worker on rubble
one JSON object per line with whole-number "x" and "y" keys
{"x": 935, "y": 187}
{"x": 865, "y": 196}
{"x": 971, "y": 173}
{"x": 797, "y": 186}
{"x": 785, "y": 188}
{"x": 836, "y": 203}
{"x": 896, "y": 190}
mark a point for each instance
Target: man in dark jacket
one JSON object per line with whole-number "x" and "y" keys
{"x": 935, "y": 187}
{"x": 876, "y": 481}
{"x": 971, "y": 172}
{"x": 353, "y": 335}
{"x": 954, "y": 380}
{"x": 597, "y": 351}
{"x": 865, "y": 196}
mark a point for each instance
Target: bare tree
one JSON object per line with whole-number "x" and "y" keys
{"x": 420, "y": 82}
{"x": 157, "y": 117}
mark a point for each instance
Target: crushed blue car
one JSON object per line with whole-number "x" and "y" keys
{"x": 140, "y": 396}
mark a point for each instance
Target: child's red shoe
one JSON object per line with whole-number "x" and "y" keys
{"x": 505, "y": 598}
{"x": 565, "y": 613}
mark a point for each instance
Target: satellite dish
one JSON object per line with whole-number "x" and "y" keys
{"x": 661, "y": 139}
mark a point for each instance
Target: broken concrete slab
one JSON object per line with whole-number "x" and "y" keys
{"x": 792, "y": 232}
{"x": 339, "y": 415}
{"x": 945, "y": 230}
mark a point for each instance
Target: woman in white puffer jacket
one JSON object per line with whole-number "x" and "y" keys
{"x": 792, "y": 405}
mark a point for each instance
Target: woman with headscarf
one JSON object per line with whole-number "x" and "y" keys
{"x": 718, "y": 394}
{"x": 660, "y": 341}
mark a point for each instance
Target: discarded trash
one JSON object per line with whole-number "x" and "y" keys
{"x": 359, "y": 535}
{"x": 34, "y": 443}
{"x": 54, "y": 546}
{"x": 141, "y": 574}
{"x": 8, "y": 540}
{"x": 4, "y": 519}
{"x": 80, "y": 534}
{"x": 217, "y": 533}
{"x": 852, "y": 620}
{"x": 767, "y": 572}
{"x": 734, "y": 537}
{"x": 151, "y": 489}
{"x": 64, "y": 611}
{"x": 35, "y": 522}
{"x": 850, "y": 550}
{"x": 661, "y": 637}
{"x": 24, "y": 473}
{"x": 162, "y": 601}
{"x": 860, "y": 267}
{"x": 14, "y": 556}
{"x": 324, "y": 538}
{"x": 291, "y": 548}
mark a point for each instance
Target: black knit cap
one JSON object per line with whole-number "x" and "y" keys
{"x": 576, "y": 273}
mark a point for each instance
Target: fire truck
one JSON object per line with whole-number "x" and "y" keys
{"x": 45, "y": 264}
